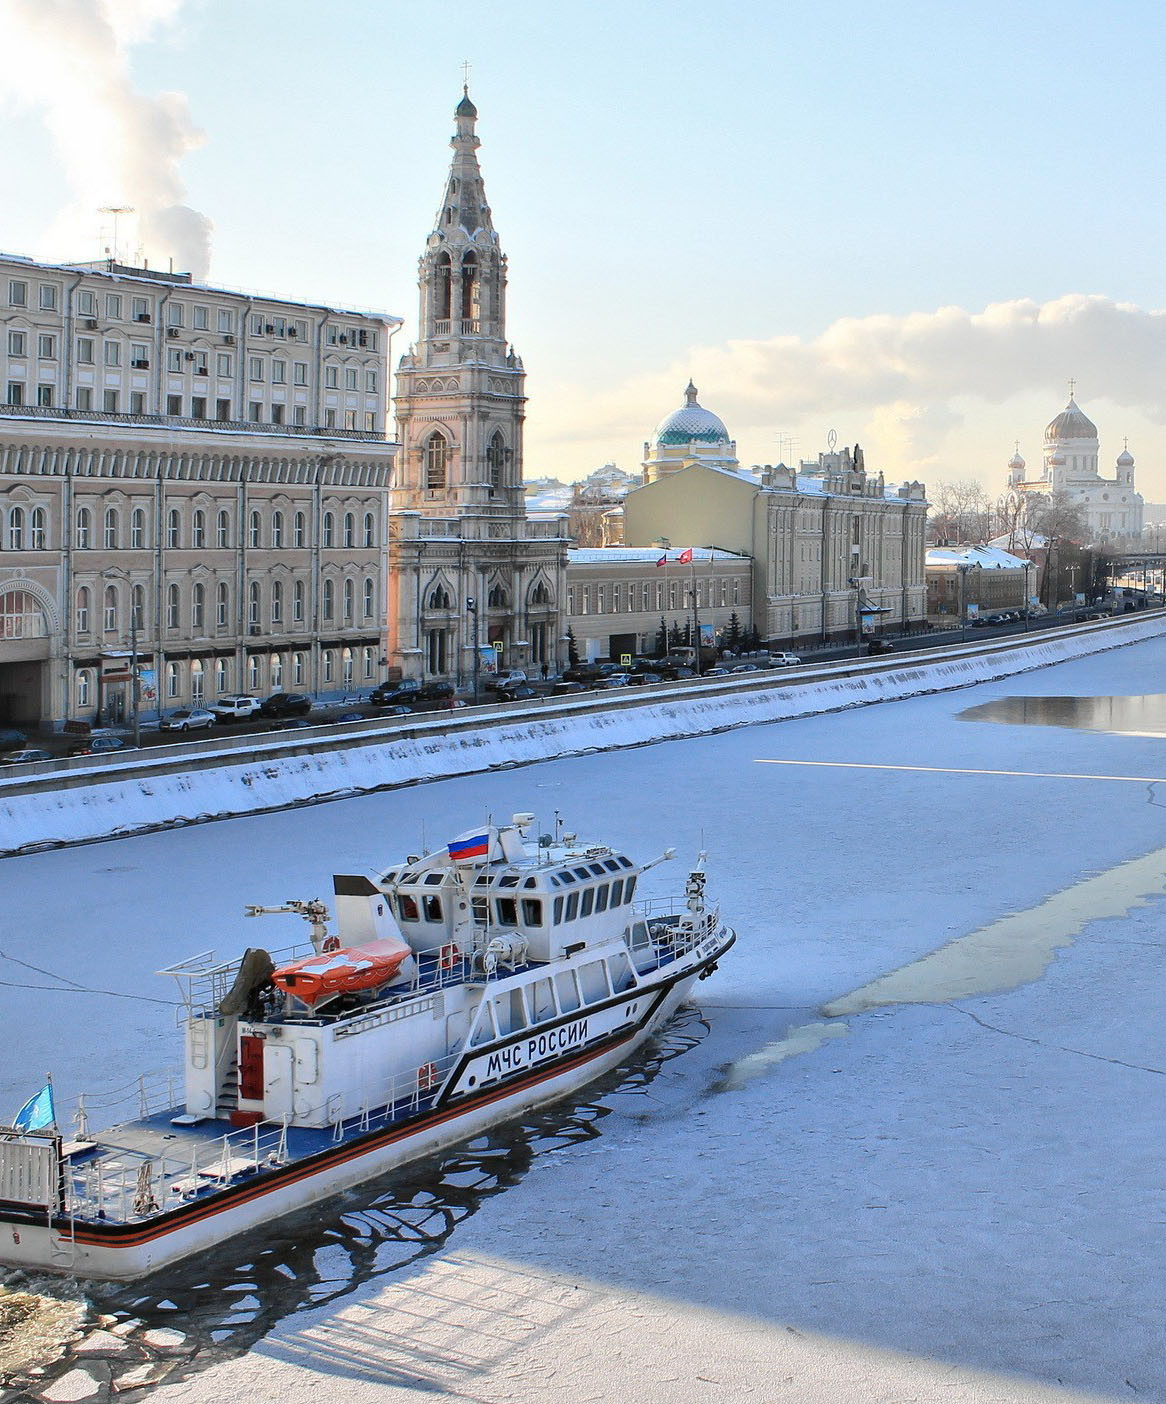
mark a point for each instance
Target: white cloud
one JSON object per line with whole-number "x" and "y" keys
{"x": 69, "y": 59}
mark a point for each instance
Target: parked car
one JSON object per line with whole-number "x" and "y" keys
{"x": 235, "y": 707}
{"x": 99, "y": 745}
{"x": 397, "y": 711}
{"x": 516, "y": 692}
{"x": 674, "y": 672}
{"x": 395, "y": 694}
{"x": 349, "y": 716}
{"x": 187, "y": 719}
{"x": 25, "y": 756}
{"x": 880, "y": 646}
{"x": 566, "y": 689}
{"x": 512, "y": 677}
{"x": 286, "y": 704}
{"x": 612, "y": 680}
{"x": 644, "y": 679}
{"x": 784, "y": 660}
{"x": 716, "y": 673}
{"x": 289, "y": 724}
{"x": 11, "y": 740}
{"x": 582, "y": 673}
{"x": 745, "y": 668}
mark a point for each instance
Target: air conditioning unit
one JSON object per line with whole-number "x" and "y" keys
{"x": 142, "y": 317}
{"x": 229, "y": 339}
{"x": 140, "y": 365}
{"x": 189, "y": 356}
{"x": 255, "y": 629}
{"x": 91, "y": 323}
{"x": 343, "y": 341}
{"x": 291, "y": 331}
{"x": 364, "y": 338}
{"x": 200, "y": 370}
{"x": 269, "y": 329}
{"x": 171, "y": 331}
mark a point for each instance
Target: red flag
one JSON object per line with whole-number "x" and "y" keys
{"x": 663, "y": 560}
{"x": 685, "y": 556}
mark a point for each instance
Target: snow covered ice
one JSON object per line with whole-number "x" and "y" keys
{"x": 918, "y": 1153}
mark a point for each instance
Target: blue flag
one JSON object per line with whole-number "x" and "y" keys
{"x": 37, "y": 1112}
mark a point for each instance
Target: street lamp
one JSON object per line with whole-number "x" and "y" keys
{"x": 472, "y": 611}
{"x": 1027, "y": 595}
{"x": 963, "y": 570}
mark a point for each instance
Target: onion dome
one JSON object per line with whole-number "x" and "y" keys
{"x": 1125, "y": 459}
{"x": 691, "y": 423}
{"x": 1016, "y": 462}
{"x": 1071, "y": 423}
{"x": 465, "y": 108}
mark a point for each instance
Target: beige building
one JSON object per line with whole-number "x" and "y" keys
{"x": 618, "y": 597}
{"x": 465, "y": 564}
{"x": 828, "y": 541}
{"x": 194, "y": 474}
{"x": 966, "y": 581}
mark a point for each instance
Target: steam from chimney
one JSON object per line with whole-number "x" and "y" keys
{"x": 117, "y": 146}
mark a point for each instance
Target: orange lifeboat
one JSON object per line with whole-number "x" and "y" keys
{"x": 343, "y": 971}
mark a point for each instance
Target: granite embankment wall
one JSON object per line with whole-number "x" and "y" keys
{"x": 94, "y": 798}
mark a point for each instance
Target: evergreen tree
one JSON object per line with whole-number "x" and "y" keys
{"x": 662, "y": 639}
{"x": 572, "y": 649}
{"x": 733, "y": 635}
{"x": 674, "y": 635}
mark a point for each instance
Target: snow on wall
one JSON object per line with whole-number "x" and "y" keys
{"x": 111, "y": 800}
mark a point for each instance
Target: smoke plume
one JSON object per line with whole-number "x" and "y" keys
{"x": 69, "y": 59}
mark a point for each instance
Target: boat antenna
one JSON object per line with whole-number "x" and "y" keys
{"x": 424, "y": 846}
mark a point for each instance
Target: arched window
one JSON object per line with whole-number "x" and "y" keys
{"x": 349, "y": 597}
{"x": 138, "y": 607}
{"x": 253, "y": 604}
{"x": 496, "y": 458}
{"x": 327, "y": 596}
{"x": 137, "y": 529}
{"x": 253, "y": 673}
{"x": 198, "y": 530}
{"x": 171, "y": 680}
{"x": 297, "y": 670}
{"x": 298, "y": 525}
{"x": 329, "y": 530}
{"x": 498, "y": 598}
{"x": 111, "y": 525}
{"x": 83, "y": 528}
{"x": 255, "y": 529}
{"x": 349, "y": 529}
{"x": 222, "y": 677}
{"x": 83, "y": 598}
{"x": 277, "y": 670}
{"x": 16, "y": 529}
{"x": 172, "y": 607}
{"x": 110, "y": 620}
{"x": 84, "y": 687}
{"x": 197, "y": 607}
{"x": 197, "y": 682}
{"x": 439, "y": 598}
{"x": 540, "y": 595}
{"x": 436, "y": 461}
{"x": 368, "y": 655}
{"x": 444, "y": 287}
{"x": 368, "y": 597}
{"x": 173, "y": 528}
{"x": 370, "y": 533}
{"x": 298, "y": 602}
{"x": 471, "y": 291}
{"x": 222, "y": 603}
{"x": 38, "y": 536}
{"x": 276, "y": 529}
{"x": 276, "y": 602}
{"x": 223, "y": 530}
{"x": 347, "y": 665}
{"x": 326, "y": 660}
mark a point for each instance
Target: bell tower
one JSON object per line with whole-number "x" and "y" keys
{"x": 460, "y": 388}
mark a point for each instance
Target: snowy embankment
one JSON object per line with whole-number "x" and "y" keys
{"x": 98, "y": 798}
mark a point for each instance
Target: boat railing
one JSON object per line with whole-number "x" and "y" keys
{"x": 147, "y": 1095}
{"x": 204, "y": 982}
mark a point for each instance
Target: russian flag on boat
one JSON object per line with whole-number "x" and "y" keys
{"x": 467, "y": 847}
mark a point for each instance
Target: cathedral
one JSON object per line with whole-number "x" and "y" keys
{"x": 466, "y": 569}
{"x": 1111, "y": 507}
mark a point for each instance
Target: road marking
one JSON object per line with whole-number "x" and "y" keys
{"x": 955, "y": 770}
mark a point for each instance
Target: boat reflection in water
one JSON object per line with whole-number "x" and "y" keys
{"x": 1143, "y": 715}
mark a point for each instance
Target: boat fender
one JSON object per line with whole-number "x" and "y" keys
{"x": 427, "y": 1077}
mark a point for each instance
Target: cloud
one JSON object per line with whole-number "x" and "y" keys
{"x": 69, "y": 59}
{"x": 912, "y": 386}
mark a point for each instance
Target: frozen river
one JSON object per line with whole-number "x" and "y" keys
{"x": 871, "y": 1174}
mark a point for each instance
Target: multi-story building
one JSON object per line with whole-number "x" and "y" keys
{"x": 196, "y": 474}
{"x": 829, "y": 542}
{"x": 465, "y": 564}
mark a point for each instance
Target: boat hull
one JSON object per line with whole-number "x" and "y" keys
{"x": 127, "y": 1251}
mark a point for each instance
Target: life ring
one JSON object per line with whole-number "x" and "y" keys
{"x": 449, "y": 957}
{"x": 427, "y": 1077}
{"x": 331, "y": 943}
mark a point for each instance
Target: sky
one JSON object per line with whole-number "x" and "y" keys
{"x": 908, "y": 223}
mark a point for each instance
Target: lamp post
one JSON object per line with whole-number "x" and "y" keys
{"x": 695, "y": 624}
{"x": 1027, "y": 595}
{"x": 858, "y": 581}
{"x": 662, "y": 543}
{"x": 472, "y": 611}
{"x": 963, "y": 570}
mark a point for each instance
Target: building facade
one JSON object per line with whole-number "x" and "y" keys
{"x": 965, "y": 581}
{"x": 191, "y": 475}
{"x": 465, "y": 565}
{"x": 1112, "y": 507}
{"x": 829, "y": 542}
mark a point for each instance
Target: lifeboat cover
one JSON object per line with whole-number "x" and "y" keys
{"x": 345, "y": 971}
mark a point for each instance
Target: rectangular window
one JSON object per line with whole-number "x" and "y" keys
{"x": 223, "y": 363}
{"x": 588, "y": 902}
{"x": 140, "y": 307}
{"x": 139, "y": 355}
{"x": 331, "y": 377}
{"x": 16, "y": 343}
{"x": 279, "y": 372}
{"x": 370, "y": 382}
{"x": 18, "y": 294}
{"x": 86, "y": 303}
{"x": 173, "y": 404}
{"x": 256, "y": 325}
{"x": 110, "y": 402}
{"x": 222, "y": 410}
{"x": 84, "y": 397}
{"x": 278, "y": 326}
{"x": 256, "y": 368}
{"x": 601, "y": 897}
{"x": 112, "y": 353}
{"x": 349, "y": 378}
{"x": 176, "y": 314}
{"x": 84, "y": 350}
{"x": 226, "y": 320}
{"x": 299, "y": 416}
{"x": 174, "y": 358}
{"x": 350, "y": 419}
{"x": 277, "y": 414}
{"x": 300, "y": 373}
{"x": 46, "y": 347}
{"x": 200, "y": 363}
{"x": 617, "y": 892}
{"x": 329, "y": 419}
{"x": 201, "y": 318}
{"x": 299, "y": 329}
{"x": 15, "y": 393}
{"x": 572, "y": 906}
{"x": 198, "y": 407}
{"x": 370, "y": 422}
{"x": 48, "y": 297}
{"x": 254, "y": 411}
{"x": 44, "y": 396}
{"x": 567, "y": 988}
{"x": 137, "y": 402}
{"x": 113, "y": 306}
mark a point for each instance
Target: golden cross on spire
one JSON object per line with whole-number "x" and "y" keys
{"x": 1072, "y": 386}
{"x": 466, "y": 76}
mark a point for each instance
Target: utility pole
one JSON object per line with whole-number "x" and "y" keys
{"x": 135, "y": 682}
{"x": 472, "y": 610}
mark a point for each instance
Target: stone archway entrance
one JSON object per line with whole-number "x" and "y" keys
{"x": 25, "y": 646}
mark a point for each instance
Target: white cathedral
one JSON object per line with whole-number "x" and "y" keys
{"x": 1111, "y": 506}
